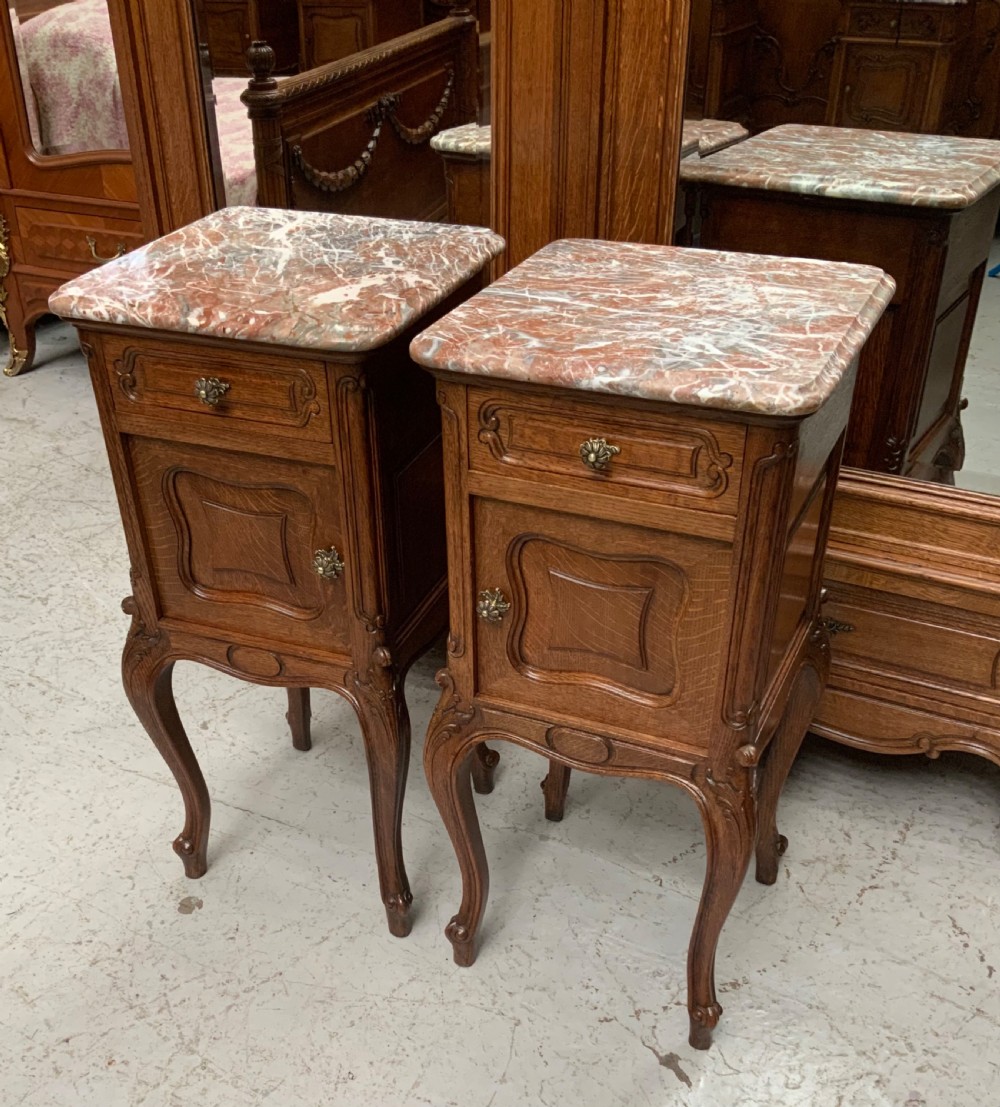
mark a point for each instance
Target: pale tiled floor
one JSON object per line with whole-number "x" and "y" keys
{"x": 868, "y": 976}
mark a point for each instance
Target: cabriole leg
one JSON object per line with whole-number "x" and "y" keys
{"x": 778, "y": 761}
{"x": 483, "y": 767}
{"x": 555, "y": 786}
{"x": 729, "y": 816}
{"x": 147, "y": 673}
{"x": 448, "y": 758}
{"x": 298, "y": 717}
{"x": 385, "y": 725}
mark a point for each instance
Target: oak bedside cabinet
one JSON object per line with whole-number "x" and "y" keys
{"x": 277, "y": 461}
{"x": 641, "y": 445}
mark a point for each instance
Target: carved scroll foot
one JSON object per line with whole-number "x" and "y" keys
{"x": 147, "y": 671}
{"x": 449, "y": 752}
{"x": 728, "y": 813}
{"x": 298, "y": 717}
{"x": 385, "y": 725}
{"x": 21, "y": 354}
{"x": 463, "y": 947}
{"x": 554, "y": 787}
{"x": 397, "y": 914}
{"x": 780, "y": 756}
{"x": 483, "y": 766}
{"x": 703, "y": 1021}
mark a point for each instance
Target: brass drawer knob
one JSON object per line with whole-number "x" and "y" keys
{"x": 596, "y": 453}
{"x": 92, "y": 243}
{"x": 210, "y": 390}
{"x": 492, "y": 606}
{"x": 328, "y": 563}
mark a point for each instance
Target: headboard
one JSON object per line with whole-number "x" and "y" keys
{"x": 354, "y": 136}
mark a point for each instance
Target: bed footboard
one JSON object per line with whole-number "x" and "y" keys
{"x": 354, "y": 136}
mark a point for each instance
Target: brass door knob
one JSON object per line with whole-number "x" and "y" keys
{"x": 596, "y": 453}
{"x": 492, "y": 606}
{"x": 210, "y": 390}
{"x": 328, "y": 563}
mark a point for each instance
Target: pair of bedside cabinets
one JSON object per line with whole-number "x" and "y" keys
{"x": 619, "y": 469}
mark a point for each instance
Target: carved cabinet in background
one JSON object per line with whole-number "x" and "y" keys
{"x": 902, "y": 67}
{"x": 332, "y": 29}
{"x": 229, "y": 26}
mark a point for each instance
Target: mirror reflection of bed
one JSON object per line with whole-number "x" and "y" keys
{"x": 350, "y": 134}
{"x": 913, "y": 567}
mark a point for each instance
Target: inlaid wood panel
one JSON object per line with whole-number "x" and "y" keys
{"x": 232, "y": 538}
{"x": 52, "y": 239}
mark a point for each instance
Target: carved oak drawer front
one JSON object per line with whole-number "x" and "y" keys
{"x": 659, "y": 459}
{"x": 913, "y": 640}
{"x": 599, "y": 622}
{"x": 244, "y": 544}
{"x": 898, "y": 23}
{"x": 74, "y": 242}
{"x": 281, "y": 396}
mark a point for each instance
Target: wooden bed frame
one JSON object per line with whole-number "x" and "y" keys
{"x": 382, "y": 106}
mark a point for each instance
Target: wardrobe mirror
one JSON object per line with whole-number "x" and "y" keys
{"x": 357, "y": 142}
{"x": 71, "y": 100}
{"x": 902, "y": 66}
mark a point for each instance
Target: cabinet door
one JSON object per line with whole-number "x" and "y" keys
{"x": 231, "y": 539}
{"x": 226, "y": 27}
{"x": 606, "y": 623}
{"x": 884, "y": 86}
{"x": 334, "y": 30}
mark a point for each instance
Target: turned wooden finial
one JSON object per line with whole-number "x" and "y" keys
{"x": 260, "y": 59}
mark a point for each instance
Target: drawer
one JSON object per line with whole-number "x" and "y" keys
{"x": 287, "y": 397}
{"x": 660, "y": 459}
{"x": 908, "y": 639}
{"x": 59, "y": 239}
{"x": 895, "y": 22}
{"x": 603, "y": 624}
{"x": 874, "y": 22}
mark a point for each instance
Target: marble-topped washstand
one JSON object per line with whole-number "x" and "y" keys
{"x": 718, "y": 330}
{"x": 276, "y": 455}
{"x": 939, "y": 171}
{"x": 634, "y": 574}
{"x": 471, "y": 140}
{"x": 306, "y": 279}
{"x": 921, "y": 207}
{"x": 708, "y": 136}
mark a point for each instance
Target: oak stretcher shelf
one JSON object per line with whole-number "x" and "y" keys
{"x": 638, "y": 488}
{"x": 277, "y": 463}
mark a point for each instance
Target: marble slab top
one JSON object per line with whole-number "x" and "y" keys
{"x": 470, "y": 140}
{"x": 887, "y": 167}
{"x": 733, "y": 331}
{"x": 710, "y": 135}
{"x": 313, "y": 280}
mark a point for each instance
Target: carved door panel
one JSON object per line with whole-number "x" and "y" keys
{"x": 885, "y": 87}
{"x": 334, "y": 31}
{"x": 606, "y": 622}
{"x": 226, "y": 27}
{"x": 232, "y": 538}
